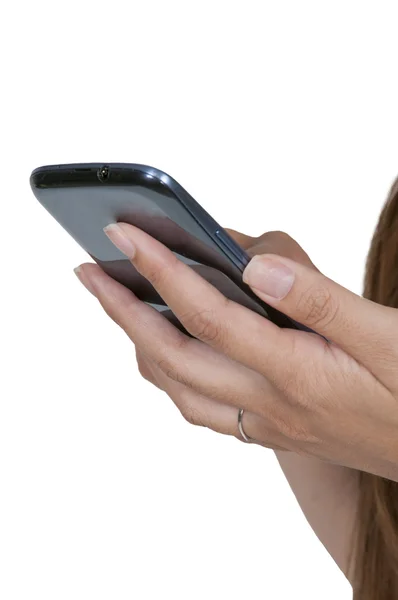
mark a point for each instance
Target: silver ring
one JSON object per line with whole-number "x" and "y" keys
{"x": 240, "y": 427}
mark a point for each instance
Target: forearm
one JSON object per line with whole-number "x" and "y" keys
{"x": 328, "y": 496}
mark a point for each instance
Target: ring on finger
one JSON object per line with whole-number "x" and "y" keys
{"x": 247, "y": 438}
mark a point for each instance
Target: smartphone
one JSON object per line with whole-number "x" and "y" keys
{"x": 84, "y": 198}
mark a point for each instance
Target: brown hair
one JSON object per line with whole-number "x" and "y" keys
{"x": 376, "y": 547}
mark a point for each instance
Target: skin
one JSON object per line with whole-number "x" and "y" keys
{"x": 328, "y": 408}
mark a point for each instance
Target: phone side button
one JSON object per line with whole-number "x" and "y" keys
{"x": 230, "y": 248}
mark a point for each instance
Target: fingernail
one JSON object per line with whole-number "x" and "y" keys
{"x": 119, "y": 238}
{"x": 85, "y": 280}
{"x": 269, "y": 277}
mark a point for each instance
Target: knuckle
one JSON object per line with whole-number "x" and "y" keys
{"x": 111, "y": 308}
{"x": 192, "y": 415}
{"x": 172, "y": 369}
{"x": 204, "y": 325}
{"x": 118, "y": 316}
{"x": 300, "y": 393}
{"x": 122, "y": 313}
{"x": 299, "y": 389}
{"x": 157, "y": 274}
{"x": 281, "y": 235}
{"x": 295, "y": 430}
{"x": 309, "y": 388}
{"x": 318, "y": 307}
{"x": 288, "y": 386}
{"x": 144, "y": 370}
{"x": 294, "y": 385}
{"x": 182, "y": 344}
{"x": 296, "y": 394}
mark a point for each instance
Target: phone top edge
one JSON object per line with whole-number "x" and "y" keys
{"x": 81, "y": 167}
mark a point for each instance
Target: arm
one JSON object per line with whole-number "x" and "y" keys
{"x": 328, "y": 497}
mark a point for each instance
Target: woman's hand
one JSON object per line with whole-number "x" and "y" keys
{"x": 337, "y": 401}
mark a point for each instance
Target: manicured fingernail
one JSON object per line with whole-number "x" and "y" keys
{"x": 85, "y": 280}
{"x": 269, "y": 276}
{"x": 119, "y": 238}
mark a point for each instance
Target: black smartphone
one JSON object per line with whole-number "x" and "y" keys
{"x": 84, "y": 198}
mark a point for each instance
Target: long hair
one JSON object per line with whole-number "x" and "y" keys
{"x": 375, "y": 558}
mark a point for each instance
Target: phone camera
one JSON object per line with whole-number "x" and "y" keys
{"x": 103, "y": 174}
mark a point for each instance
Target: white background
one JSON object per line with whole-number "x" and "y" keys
{"x": 273, "y": 115}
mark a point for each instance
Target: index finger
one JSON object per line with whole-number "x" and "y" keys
{"x": 210, "y": 317}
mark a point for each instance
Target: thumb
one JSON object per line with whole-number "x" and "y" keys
{"x": 307, "y": 296}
